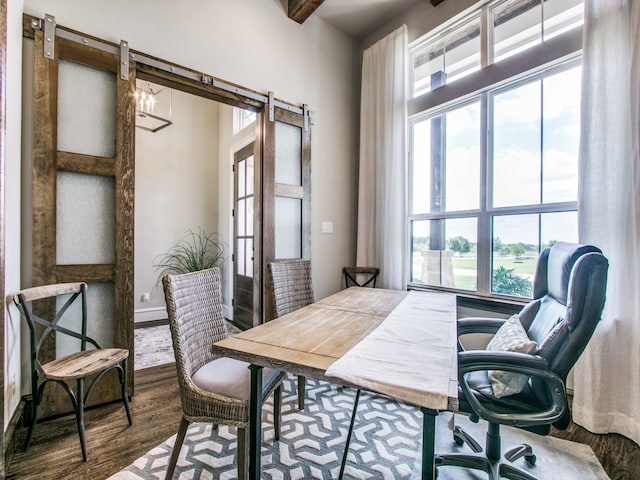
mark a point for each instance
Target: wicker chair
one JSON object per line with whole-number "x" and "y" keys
{"x": 213, "y": 389}
{"x": 292, "y": 289}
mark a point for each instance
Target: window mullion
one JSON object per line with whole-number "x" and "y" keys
{"x": 486, "y": 37}
{"x": 484, "y": 219}
{"x": 541, "y": 141}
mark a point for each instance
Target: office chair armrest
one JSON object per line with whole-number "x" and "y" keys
{"x": 479, "y": 360}
{"x": 530, "y": 365}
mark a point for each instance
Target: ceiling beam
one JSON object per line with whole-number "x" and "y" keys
{"x": 300, "y": 10}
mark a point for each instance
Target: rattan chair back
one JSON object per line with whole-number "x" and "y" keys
{"x": 292, "y": 287}
{"x": 196, "y": 318}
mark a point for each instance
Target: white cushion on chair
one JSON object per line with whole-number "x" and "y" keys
{"x": 511, "y": 337}
{"x": 229, "y": 377}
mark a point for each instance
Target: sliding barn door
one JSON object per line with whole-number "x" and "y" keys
{"x": 83, "y": 191}
{"x": 287, "y": 192}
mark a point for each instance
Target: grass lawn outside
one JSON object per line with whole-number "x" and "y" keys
{"x": 465, "y": 268}
{"x": 526, "y": 266}
{"x": 465, "y": 282}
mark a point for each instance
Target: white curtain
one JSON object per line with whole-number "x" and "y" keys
{"x": 607, "y": 377}
{"x": 382, "y": 193}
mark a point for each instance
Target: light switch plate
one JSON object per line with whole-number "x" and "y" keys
{"x": 327, "y": 227}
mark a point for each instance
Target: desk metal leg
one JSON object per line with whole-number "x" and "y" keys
{"x": 255, "y": 422}
{"x": 428, "y": 443}
{"x": 346, "y": 445}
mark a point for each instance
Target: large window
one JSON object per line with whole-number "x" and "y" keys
{"x": 494, "y": 164}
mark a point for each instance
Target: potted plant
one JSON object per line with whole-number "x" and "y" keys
{"x": 195, "y": 251}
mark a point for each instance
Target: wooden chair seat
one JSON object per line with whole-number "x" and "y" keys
{"x": 81, "y": 364}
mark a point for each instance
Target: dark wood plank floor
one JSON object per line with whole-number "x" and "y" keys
{"x": 112, "y": 444}
{"x": 55, "y": 452}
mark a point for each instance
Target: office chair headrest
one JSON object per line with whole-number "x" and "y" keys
{"x": 561, "y": 258}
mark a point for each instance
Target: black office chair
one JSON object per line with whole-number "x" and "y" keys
{"x": 360, "y": 276}
{"x": 568, "y": 297}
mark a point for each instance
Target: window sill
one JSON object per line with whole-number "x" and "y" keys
{"x": 493, "y": 303}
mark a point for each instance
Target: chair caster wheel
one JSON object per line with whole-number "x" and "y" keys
{"x": 460, "y": 437}
{"x": 520, "y": 451}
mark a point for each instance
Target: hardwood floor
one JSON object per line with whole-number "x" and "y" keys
{"x": 619, "y": 456}
{"x": 112, "y": 445}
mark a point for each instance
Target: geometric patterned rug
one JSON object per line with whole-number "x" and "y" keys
{"x": 385, "y": 444}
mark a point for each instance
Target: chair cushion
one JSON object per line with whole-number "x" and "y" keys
{"x": 511, "y": 337}
{"x": 229, "y": 377}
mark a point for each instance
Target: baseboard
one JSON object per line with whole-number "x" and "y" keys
{"x": 149, "y": 314}
{"x": 144, "y": 315}
{"x": 10, "y": 437}
{"x": 151, "y": 323}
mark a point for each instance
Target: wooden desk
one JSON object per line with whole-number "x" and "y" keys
{"x": 310, "y": 340}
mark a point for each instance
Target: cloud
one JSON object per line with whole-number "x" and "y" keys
{"x": 560, "y": 94}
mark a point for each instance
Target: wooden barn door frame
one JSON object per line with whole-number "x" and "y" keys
{"x": 48, "y": 161}
{"x": 272, "y": 190}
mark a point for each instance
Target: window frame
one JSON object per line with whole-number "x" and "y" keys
{"x": 550, "y": 57}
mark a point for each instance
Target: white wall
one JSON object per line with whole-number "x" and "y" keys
{"x": 176, "y": 190}
{"x": 12, "y": 377}
{"x": 156, "y": 170}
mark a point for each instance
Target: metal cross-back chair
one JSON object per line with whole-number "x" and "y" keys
{"x": 356, "y": 277}
{"x": 213, "y": 389}
{"x": 292, "y": 290}
{"x": 75, "y": 366}
{"x": 360, "y": 276}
